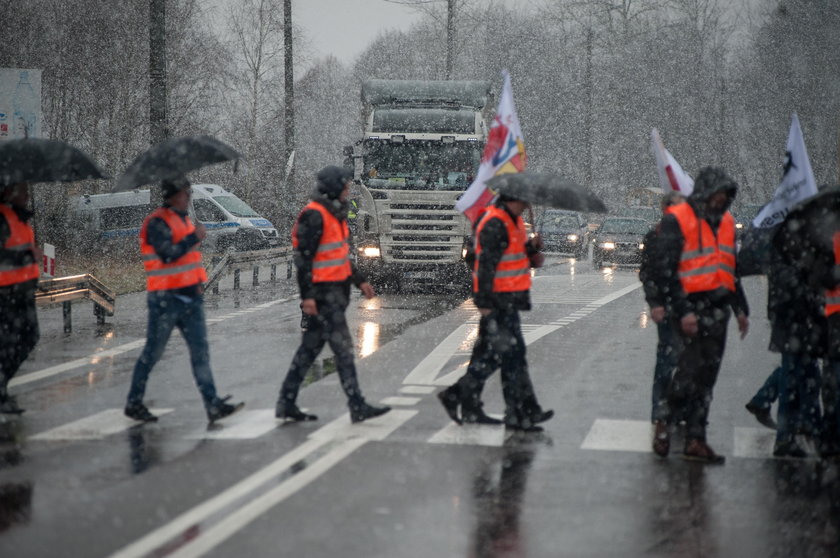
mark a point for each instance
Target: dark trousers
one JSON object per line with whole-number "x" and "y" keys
{"x": 166, "y": 312}
{"x": 768, "y": 392}
{"x": 698, "y": 364}
{"x": 329, "y": 326}
{"x": 19, "y": 331}
{"x": 499, "y": 344}
{"x": 799, "y": 404}
{"x": 666, "y": 363}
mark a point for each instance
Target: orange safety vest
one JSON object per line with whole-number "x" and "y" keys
{"x": 21, "y": 239}
{"x": 707, "y": 262}
{"x": 186, "y": 271}
{"x": 832, "y": 296}
{"x": 513, "y": 272}
{"x": 331, "y": 262}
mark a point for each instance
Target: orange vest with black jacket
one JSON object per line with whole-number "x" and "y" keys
{"x": 21, "y": 239}
{"x": 186, "y": 271}
{"x": 513, "y": 272}
{"x": 707, "y": 262}
{"x": 832, "y": 296}
{"x": 331, "y": 262}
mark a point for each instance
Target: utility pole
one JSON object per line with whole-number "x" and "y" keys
{"x": 289, "y": 113}
{"x": 158, "y": 129}
{"x": 450, "y": 37}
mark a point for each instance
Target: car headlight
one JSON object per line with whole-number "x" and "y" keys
{"x": 739, "y": 225}
{"x": 572, "y": 238}
{"x": 608, "y": 245}
{"x": 641, "y": 245}
{"x": 370, "y": 251}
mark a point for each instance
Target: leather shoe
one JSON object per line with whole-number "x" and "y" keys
{"x": 762, "y": 415}
{"x": 478, "y": 416}
{"x": 365, "y": 411}
{"x": 699, "y": 450}
{"x": 450, "y": 404}
{"x": 9, "y": 406}
{"x": 220, "y": 409}
{"x": 140, "y": 412}
{"x": 661, "y": 439}
{"x": 289, "y": 411}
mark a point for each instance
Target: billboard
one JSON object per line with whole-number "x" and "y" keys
{"x": 20, "y": 103}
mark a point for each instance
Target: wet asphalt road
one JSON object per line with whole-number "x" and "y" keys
{"x": 78, "y": 480}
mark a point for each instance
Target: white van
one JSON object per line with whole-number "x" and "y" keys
{"x": 230, "y": 222}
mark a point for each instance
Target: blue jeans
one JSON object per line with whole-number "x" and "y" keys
{"x": 167, "y": 311}
{"x": 666, "y": 362}
{"x": 768, "y": 392}
{"x": 799, "y": 392}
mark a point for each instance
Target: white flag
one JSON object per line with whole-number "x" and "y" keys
{"x": 797, "y": 181}
{"x": 672, "y": 177}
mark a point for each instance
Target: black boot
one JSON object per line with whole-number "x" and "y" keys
{"x": 450, "y": 401}
{"x": 289, "y": 411}
{"x": 138, "y": 411}
{"x": 220, "y": 409}
{"x": 473, "y": 413}
{"x": 364, "y": 411}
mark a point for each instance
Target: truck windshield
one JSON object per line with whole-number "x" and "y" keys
{"x": 235, "y": 206}
{"x": 422, "y": 165}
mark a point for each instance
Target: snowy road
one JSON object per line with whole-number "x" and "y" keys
{"x": 77, "y": 479}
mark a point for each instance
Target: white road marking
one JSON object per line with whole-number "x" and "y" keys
{"x": 376, "y": 429}
{"x": 118, "y": 350}
{"x": 397, "y": 400}
{"x": 753, "y": 442}
{"x": 94, "y": 427}
{"x": 244, "y": 425}
{"x": 469, "y": 435}
{"x": 619, "y": 435}
{"x": 418, "y": 390}
{"x": 425, "y": 372}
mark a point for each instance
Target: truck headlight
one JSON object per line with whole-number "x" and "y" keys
{"x": 370, "y": 251}
{"x": 608, "y": 245}
{"x": 572, "y": 237}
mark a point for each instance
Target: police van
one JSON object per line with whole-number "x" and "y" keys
{"x": 230, "y": 222}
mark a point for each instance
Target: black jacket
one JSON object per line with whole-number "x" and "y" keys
{"x": 647, "y": 270}
{"x": 494, "y": 241}
{"x": 310, "y": 228}
{"x": 795, "y": 310}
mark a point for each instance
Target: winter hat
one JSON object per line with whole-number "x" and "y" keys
{"x": 330, "y": 181}
{"x": 713, "y": 179}
{"x": 172, "y": 186}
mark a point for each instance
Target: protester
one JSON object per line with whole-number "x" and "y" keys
{"x": 501, "y": 288}
{"x": 697, "y": 275}
{"x": 19, "y": 270}
{"x": 174, "y": 280}
{"x": 829, "y": 276}
{"x": 321, "y": 241}
{"x": 666, "y": 354}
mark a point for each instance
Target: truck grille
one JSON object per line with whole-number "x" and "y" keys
{"x": 422, "y": 232}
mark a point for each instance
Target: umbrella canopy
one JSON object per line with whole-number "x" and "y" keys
{"x": 756, "y": 252}
{"x": 43, "y": 160}
{"x": 546, "y": 189}
{"x": 173, "y": 158}
{"x": 810, "y": 225}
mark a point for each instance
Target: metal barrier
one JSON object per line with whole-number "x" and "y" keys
{"x": 67, "y": 289}
{"x": 255, "y": 258}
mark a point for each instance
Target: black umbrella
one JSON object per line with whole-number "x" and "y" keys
{"x": 810, "y": 225}
{"x": 756, "y": 252}
{"x": 173, "y": 158}
{"x": 43, "y": 160}
{"x": 546, "y": 189}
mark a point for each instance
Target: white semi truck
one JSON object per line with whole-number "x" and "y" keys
{"x": 420, "y": 149}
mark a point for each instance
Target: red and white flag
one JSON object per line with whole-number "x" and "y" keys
{"x": 504, "y": 153}
{"x": 672, "y": 177}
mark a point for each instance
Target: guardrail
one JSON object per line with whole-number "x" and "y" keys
{"x": 254, "y": 258}
{"x": 65, "y": 290}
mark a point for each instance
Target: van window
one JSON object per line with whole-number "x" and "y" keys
{"x": 126, "y": 217}
{"x": 207, "y": 212}
{"x": 237, "y": 207}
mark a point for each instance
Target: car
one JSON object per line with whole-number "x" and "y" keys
{"x": 565, "y": 232}
{"x": 649, "y": 214}
{"x": 744, "y": 215}
{"x": 619, "y": 240}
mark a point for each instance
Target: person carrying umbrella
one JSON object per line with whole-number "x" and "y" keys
{"x": 321, "y": 241}
{"x": 501, "y": 288}
{"x": 20, "y": 261}
{"x": 174, "y": 280}
{"x": 697, "y": 273}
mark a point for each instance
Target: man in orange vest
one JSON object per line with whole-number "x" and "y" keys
{"x": 697, "y": 277}
{"x": 504, "y": 256}
{"x": 20, "y": 262}
{"x": 321, "y": 241}
{"x": 175, "y": 280}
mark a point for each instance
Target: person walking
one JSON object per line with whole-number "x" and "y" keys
{"x": 174, "y": 280}
{"x": 19, "y": 270}
{"x": 698, "y": 276}
{"x": 666, "y": 353}
{"x": 321, "y": 241}
{"x": 501, "y": 288}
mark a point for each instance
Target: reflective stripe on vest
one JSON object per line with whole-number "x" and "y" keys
{"x": 21, "y": 239}
{"x": 331, "y": 262}
{"x": 186, "y": 271}
{"x": 707, "y": 262}
{"x": 513, "y": 272}
{"x": 832, "y": 296}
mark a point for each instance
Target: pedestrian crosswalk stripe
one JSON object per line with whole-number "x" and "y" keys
{"x": 619, "y": 435}
{"x": 417, "y": 390}
{"x": 94, "y": 427}
{"x": 753, "y": 442}
{"x": 400, "y": 400}
{"x": 469, "y": 435}
{"x": 244, "y": 425}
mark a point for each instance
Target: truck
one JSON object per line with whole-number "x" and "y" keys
{"x": 420, "y": 149}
